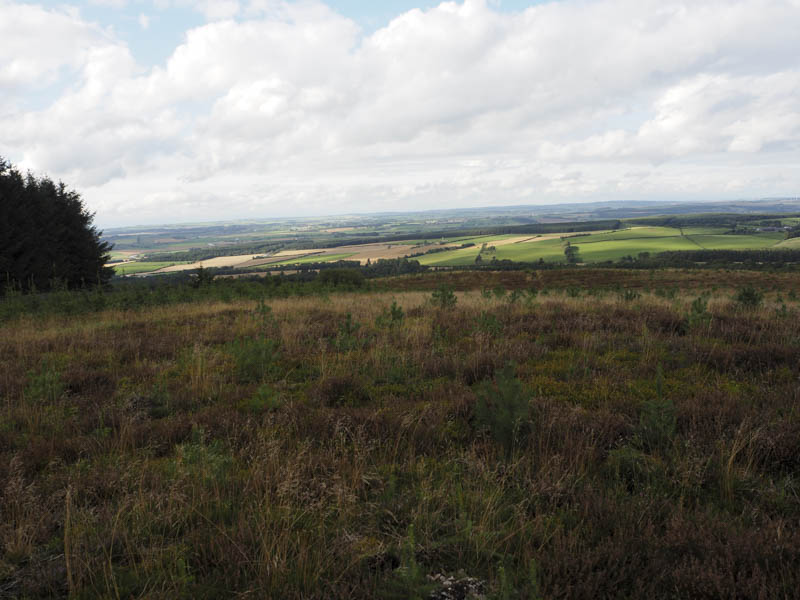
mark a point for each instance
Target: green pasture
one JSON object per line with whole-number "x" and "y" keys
{"x": 143, "y": 267}
{"x": 631, "y": 233}
{"x": 312, "y": 258}
{"x": 755, "y": 241}
{"x": 549, "y": 250}
{"x": 488, "y": 239}
{"x": 790, "y": 244}
{"x": 705, "y": 230}
{"x": 598, "y": 251}
{"x": 615, "y": 250}
{"x": 610, "y": 245}
{"x": 449, "y": 258}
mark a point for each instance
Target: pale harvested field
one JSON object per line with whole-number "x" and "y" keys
{"x": 538, "y": 238}
{"x": 276, "y": 258}
{"x": 293, "y": 253}
{"x": 220, "y": 261}
{"x": 517, "y": 240}
{"x": 360, "y": 252}
{"x": 365, "y": 252}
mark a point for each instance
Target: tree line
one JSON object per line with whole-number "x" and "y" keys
{"x": 47, "y": 239}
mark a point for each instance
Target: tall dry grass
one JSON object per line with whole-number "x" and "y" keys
{"x": 317, "y": 448}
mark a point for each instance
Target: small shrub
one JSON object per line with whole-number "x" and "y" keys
{"x": 631, "y": 467}
{"x": 489, "y": 324}
{"x": 255, "y": 359}
{"x": 444, "y": 297}
{"x": 344, "y": 390}
{"x": 534, "y": 585}
{"x": 346, "y": 337}
{"x": 265, "y": 399}
{"x": 657, "y": 421}
{"x": 749, "y": 298}
{"x": 630, "y": 295}
{"x": 45, "y": 386}
{"x": 699, "y": 305}
{"x": 396, "y": 312}
{"x": 698, "y": 311}
{"x": 203, "y": 462}
{"x": 203, "y": 277}
{"x": 514, "y": 296}
{"x": 268, "y": 324}
{"x": 408, "y": 580}
{"x": 502, "y": 408}
{"x": 505, "y": 589}
{"x": 390, "y": 317}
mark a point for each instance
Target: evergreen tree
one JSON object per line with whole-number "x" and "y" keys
{"x": 47, "y": 239}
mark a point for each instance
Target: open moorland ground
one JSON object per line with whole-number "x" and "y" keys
{"x": 556, "y": 434}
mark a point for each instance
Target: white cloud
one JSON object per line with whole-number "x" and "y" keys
{"x": 37, "y": 45}
{"x": 291, "y": 109}
{"x": 212, "y": 10}
{"x": 144, "y": 21}
{"x": 110, "y": 3}
{"x": 219, "y": 9}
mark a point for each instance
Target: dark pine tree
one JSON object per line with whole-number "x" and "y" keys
{"x": 47, "y": 239}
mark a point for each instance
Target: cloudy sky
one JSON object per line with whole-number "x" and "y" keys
{"x": 187, "y": 110}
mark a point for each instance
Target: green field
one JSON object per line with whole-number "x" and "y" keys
{"x": 738, "y": 242}
{"x": 631, "y": 233}
{"x": 461, "y": 256}
{"x": 601, "y": 251}
{"x": 610, "y": 245}
{"x": 313, "y": 258}
{"x": 143, "y": 267}
{"x": 790, "y": 244}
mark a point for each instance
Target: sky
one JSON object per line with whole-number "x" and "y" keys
{"x": 164, "y": 111}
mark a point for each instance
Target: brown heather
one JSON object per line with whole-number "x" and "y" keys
{"x": 318, "y": 448}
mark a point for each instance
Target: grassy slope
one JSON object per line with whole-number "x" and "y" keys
{"x": 738, "y": 242}
{"x": 656, "y": 456}
{"x": 603, "y": 246}
{"x": 144, "y": 267}
{"x": 548, "y": 249}
{"x": 792, "y": 243}
{"x": 314, "y": 258}
{"x": 462, "y": 256}
{"x": 614, "y": 250}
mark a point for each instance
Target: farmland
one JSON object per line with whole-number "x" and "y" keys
{"x": 608, "y": 245}
{"x": 565, "y": 433}
{"x": 133, "y": 267}
{"x": 593, "y": 247}
{"x": 514, "y": 234}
